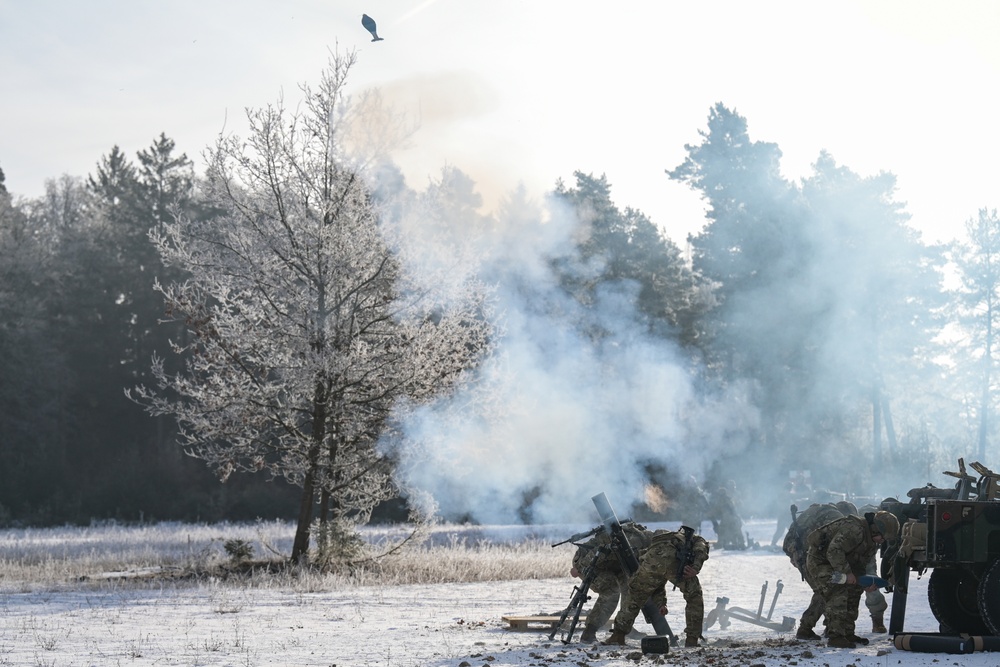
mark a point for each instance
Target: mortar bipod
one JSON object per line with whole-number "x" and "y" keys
{"x": 722, "y": 614}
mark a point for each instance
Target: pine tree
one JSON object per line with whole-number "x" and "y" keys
{"x": 978, "y": 304}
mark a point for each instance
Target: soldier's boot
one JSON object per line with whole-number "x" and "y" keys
{"x": 840, "y": 641}
{"x": 588, "y": 636}
{"x": 616, "y": 637}
{"x": 858, "y": 640}
{"x": 691, "y": 641}
{"x": 878, "y": 623}
{"x": 806, "y": 633}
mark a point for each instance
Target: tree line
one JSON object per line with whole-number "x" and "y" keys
{"x": 274, "y": 316}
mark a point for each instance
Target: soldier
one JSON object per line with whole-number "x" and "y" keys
{"x": 659, "y": 565}
{"x": 694, "y": 504}
{"x": 783, "y": 502}
{"x": 726, "y": 520}
{"x": 874, "y": 599}
{"x": 808, "y": 520}
{"x": 611, "y": 581}
{"x": 845, "y": 546}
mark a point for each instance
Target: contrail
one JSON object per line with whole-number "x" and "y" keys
{"x": 416, "y": 10}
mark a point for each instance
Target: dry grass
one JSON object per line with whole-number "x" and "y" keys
{"x": 460, "y": 562}
{"x": 98, "y": 557}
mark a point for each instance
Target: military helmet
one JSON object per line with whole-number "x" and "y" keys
{"x": 847, "y": 508}
{"x": 887, "y": 524}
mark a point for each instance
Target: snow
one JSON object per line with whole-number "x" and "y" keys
{"x": 427, "y": 625}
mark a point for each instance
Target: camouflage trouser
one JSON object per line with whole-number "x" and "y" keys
{"x": 874, "y": 601}
{"x": 816, "y": 606}
{"x": 840, "y": 601}
{"x": 609, "y": 587}
{"x": 657, "y": 568}
{"x": 730, "y": 532}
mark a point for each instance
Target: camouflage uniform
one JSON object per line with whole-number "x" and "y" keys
{"x": 694, "y": 504}
{"x": 726, "y": 520}
{"x": 795, "y": 547}
{"x": 657, "y": 567}
{"x": 610, "y": 581}
{"x": 843, "y": 546}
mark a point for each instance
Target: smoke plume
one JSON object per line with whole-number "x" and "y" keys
{"x": 558, "y": 414}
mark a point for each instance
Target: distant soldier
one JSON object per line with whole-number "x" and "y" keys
{"x": 661, "y": 563}
{"x": 845, "y": 546}
{"x": 611, "y": 581}
{"x": 694, "y": 504}
{"x": 726, "y": 520}
{"x": 799, "y": 492}
{"x": 784, "y": 500}
{"x": 795, "y": 547}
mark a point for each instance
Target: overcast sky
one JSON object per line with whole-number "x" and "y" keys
{"x": 527, "y": 91}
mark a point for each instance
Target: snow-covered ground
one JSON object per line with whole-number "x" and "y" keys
{"x": 454, "y": 625}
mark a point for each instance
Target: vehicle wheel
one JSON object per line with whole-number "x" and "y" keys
{"x": 989, "y": 598}
{"x": 953, "y": 598}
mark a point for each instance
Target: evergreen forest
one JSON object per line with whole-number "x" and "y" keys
{"x": 864, "y": 351}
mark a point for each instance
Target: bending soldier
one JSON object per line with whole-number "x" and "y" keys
{"x": 794, "y": 546}
{"x": 666, "y": 560}
{"x": 845, "y": 546}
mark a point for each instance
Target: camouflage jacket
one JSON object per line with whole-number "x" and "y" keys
{"x": 846, "y": 544}
{"x": 806, "y": 522}
{"x": 606, "y": 561}
{"x": 699, "y": 546}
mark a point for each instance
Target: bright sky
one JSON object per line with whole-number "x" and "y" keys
{"x": 527, "y": 91}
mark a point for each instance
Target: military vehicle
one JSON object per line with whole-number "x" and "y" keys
{"x": 954, "y": 533}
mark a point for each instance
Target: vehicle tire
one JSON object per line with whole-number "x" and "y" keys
{"x": 953, "y": 595}
{"x": 989, "y": 598}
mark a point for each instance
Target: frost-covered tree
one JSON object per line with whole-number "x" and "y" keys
{"x": 311, "y": 328}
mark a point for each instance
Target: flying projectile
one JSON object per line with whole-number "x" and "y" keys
{"x": 369, "y": 24}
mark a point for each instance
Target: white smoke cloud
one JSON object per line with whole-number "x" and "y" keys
{"x": 557, "y": 414}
